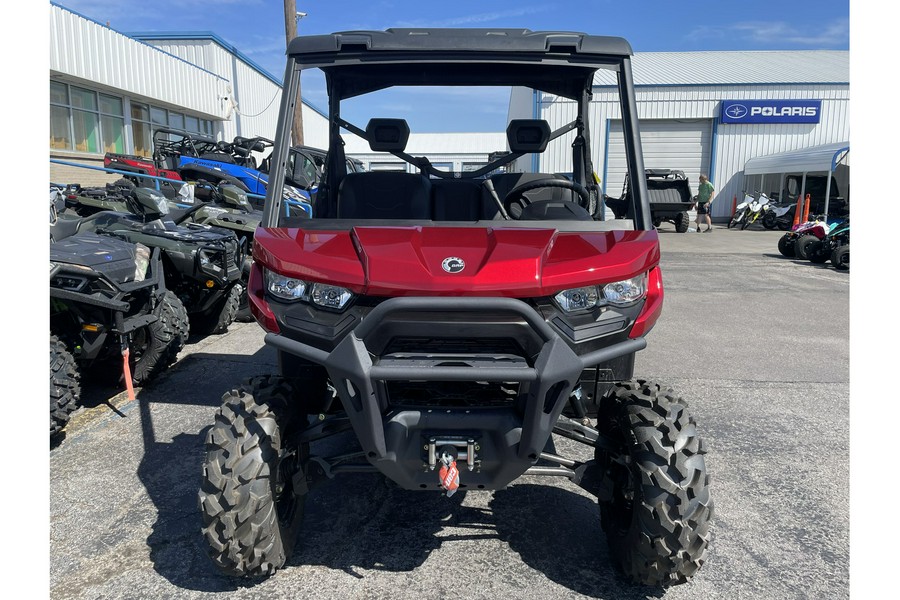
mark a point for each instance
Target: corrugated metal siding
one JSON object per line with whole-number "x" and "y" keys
{"x": 258, "y": 97}
{"x": 734, "y": 144}
{"x": 670, "y": 144}
{"x": 738, "y": 68}
{"x": 86, "y": 50}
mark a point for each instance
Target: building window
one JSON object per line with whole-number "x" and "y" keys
{"x": 112, "y": 123}
{"x": 83, "y": 120}
{"x": 60, "y": 117}
{"x": 90, "y": 121}
{"x": 141, "y": 132}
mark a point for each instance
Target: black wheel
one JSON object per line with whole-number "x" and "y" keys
{"x": 840, "y": 258}
{"x": 125, "y": 183}
{"x": 803, "y": 244}
{"x": 769, "y": 220}
{"x": 750, "y": 219}
{"x": 251, "y": 507}
{"x": 682, "y": 222}
{"x": 818, "y": 252}
{"x": 221, "y": 315}
{"x": 657, "y": 222}
{"x": 154, "y": 348}
{"x": 657, "y": 518}
{"x": 65, "y": 385}
{"x": 786, "y": 245}
{"x": 737, "y": 218}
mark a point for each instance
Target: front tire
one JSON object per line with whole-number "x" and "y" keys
{"x": 818, "y": 252}
{"x": 65, "y": 385}
{"x": 748, "y": 220}
{"x": 682, "y": 222}
{"x": 222, "y": 314}
{"x": 840, "y": 258}
{"x": 737, "y": 218}
{"x": 657, "y": 516}
{"x": 786, "y": 245}
{"x": 155, "y": 347}
{"x": 769, "y": 220}
{"x": 803, "y": 245}
{"x": 250, "y": 504}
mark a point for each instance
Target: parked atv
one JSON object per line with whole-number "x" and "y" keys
{"x": 820, "y": 251}
{"x": 202, "y": 263}
{"x": 815, "y": 230}
{"x": 455, "y": 321}
{"x": 227, "y": 207}
{"x": 670, "y": 199}
{"x": 107, "y": 300}
{"x": 811, "y": 236}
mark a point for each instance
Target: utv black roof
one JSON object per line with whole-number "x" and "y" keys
{"x": 466, "y": 56}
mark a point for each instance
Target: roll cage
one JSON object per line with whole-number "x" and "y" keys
{"x": 360, "y": 62}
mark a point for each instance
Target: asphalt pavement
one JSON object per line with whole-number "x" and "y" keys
{"x": 758, "y": 345}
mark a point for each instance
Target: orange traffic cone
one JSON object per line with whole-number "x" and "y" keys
{"x": 806, "y": 209}
{"x": 798, "y": 210}
{"x": 734, "y": 205}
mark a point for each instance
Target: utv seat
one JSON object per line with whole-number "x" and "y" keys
{"x": 456, "y": 199}
{"x": 383, "y": 195}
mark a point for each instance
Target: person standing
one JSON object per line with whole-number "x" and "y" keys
{"x": 704, "y": 202}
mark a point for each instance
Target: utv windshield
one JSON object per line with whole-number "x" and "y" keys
{"x": 529, "y": 170}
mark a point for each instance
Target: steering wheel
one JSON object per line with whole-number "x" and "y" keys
{"x": 515, "y": 200}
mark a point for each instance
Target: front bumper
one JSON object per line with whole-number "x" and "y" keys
{"x": 508, "y": 439}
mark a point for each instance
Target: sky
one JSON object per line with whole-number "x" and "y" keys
{"x": 256, "y": 29}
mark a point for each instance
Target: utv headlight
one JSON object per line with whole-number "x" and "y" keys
{"x": 629, "y": 291}
{"x": 285, "y": 288}
{"x": 330, "y": 296}
{"x": 581, "y": 298}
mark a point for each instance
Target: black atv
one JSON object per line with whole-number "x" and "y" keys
{"x": 670, "y": 199}
{"x": 107, "y": 296}
{"x": 202, "y": 263}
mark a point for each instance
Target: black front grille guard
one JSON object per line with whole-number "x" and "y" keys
{"x": 555, "y": 372}
{"x": 117, "y": 302}
{"x": 219, "y": 253}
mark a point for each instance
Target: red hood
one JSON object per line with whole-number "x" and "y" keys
{"x": 405, "y": 261}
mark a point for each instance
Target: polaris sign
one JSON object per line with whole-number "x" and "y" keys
{"x": 771, "y": 111}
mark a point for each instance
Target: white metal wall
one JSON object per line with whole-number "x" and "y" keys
{"x": 85, "y": 50}
{"x": 257, "y": 96}
{"x": 730, "y": 145}
{"x": 683, "y": 145}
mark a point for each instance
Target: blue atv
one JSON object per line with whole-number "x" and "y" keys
{"x": 196, "y": 157}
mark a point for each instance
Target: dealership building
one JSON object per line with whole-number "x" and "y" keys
{"x": 701, "y": 112}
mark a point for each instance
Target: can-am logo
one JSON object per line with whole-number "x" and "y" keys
{"x": 771, "y": 111}
{"x": 453, "y": 264}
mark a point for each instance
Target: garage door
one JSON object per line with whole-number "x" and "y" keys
{"x": 681, "y": 145}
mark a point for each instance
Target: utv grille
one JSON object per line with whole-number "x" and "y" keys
{"x": 482, "y": 346}
{"x": 451, "y": 394}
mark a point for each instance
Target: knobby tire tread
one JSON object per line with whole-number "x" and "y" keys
{"x": 666, "y": 540}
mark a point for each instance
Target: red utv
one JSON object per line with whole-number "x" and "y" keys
{"x": 455, "y": 321}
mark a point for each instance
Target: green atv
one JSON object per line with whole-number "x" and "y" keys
{"x": 228, "y": 207}
{"x": 202, "y": 264}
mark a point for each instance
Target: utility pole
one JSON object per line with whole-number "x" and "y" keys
{"x": 291, "y": 17}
